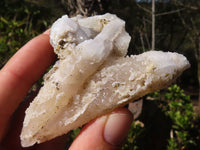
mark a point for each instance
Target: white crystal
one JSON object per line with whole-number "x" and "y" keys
{"x": 92, "y": 76}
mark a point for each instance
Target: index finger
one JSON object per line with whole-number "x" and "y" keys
{"x": 19, "y": 74}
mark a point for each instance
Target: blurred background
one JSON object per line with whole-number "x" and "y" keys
{"x": 170, "y": 118}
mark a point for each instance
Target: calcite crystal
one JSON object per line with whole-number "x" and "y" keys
{"x": 93, "y": 76}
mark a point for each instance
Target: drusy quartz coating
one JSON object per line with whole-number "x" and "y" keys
{"x": 93, "y": 76}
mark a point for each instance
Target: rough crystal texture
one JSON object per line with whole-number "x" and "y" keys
{"x": 92, "y": 76}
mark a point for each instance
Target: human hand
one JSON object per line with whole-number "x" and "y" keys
{"x": 17, "y": 77}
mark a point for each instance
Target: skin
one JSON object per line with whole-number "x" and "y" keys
{"x": 18, "y": 76}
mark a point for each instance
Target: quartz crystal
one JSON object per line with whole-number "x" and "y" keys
{"x": 93, "y": 76}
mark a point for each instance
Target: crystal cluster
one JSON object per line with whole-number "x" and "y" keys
{"x": 93, "y": 76}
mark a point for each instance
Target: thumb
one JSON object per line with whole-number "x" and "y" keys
{"x": 105, "y": 133}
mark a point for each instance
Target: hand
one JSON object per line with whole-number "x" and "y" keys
{"x": 17, "y": 77}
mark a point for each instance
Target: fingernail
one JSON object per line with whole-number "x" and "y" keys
{"x": 117, "y": 127}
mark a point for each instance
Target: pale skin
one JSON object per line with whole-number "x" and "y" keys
{"x": 16, "y": 78}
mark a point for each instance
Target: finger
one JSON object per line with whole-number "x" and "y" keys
{"x": 12, "y": 138}
{"x": 105, "y": 133}
{"x": 18, "y": 75}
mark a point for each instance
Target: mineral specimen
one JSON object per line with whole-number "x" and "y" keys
{"x": 93, "y": 76}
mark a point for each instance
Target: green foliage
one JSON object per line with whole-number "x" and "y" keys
{"x": 19, "y": 22}
{"x": 135, "y": 133}
{"x": 184, "y": 132}
{"x": 180, "y": 111}
{"x": 172, "y": 145}
{"x": 179, "y": 107}
{"x": 75, "y": 132}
